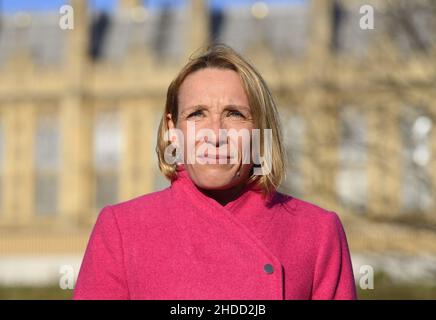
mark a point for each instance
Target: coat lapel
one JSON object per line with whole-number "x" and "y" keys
{"x": 247, "y": 219}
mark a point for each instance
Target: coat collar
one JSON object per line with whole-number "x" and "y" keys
{"x": 250, "y": 195}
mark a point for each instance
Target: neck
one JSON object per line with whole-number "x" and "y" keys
{"x": 224, "y": 196}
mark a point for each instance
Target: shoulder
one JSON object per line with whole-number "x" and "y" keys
{"x": 319, "y": 228}
{"x": 143, "y": 201}
{"x": 309, "y": 213}
{"x": 140, "y": 208}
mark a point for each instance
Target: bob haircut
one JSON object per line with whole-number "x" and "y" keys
{"x": 263, "y": 110}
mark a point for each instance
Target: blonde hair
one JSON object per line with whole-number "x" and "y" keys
{"x": 263, "y": 109}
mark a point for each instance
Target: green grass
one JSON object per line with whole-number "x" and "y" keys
{"x": 35, "y": 293}
{"x": 386, "y": 289}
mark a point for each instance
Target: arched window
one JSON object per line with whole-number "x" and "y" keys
{"x": 46, "y": 161}
{"x": 416, "y": 129}
{"x": 107, "y": 147}
{"x": 352, "y": 182}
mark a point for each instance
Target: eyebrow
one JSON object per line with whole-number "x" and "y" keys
{"x": 227, "y": 107}
{"x": 233, "y": 106}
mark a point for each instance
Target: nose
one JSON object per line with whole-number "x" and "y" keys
{"x": 218, "y": 139}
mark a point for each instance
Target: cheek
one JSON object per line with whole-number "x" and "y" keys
{"x": 243, "y": 141}
{"x": 182, "y": 126}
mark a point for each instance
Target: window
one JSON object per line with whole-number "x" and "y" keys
{"x": 158, "y": 26}
{"x": 352, "y": 180}
{"x": 348, "y": 37}
{"x": 107, "y": 157}
{"x": 160, "y": 181}
{"x": 46, "y": 160}
{"x": 280, "y": 25}
{"x": 2, "y": 155}
{"x": 293, "y": 137}
{"x": 416, "y": 128}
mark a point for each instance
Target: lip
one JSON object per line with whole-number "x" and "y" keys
{"x": 221, "y": 153}
{"x": 218, "y": 156}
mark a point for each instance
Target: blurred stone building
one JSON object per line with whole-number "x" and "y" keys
{"x": 79, "y": 111}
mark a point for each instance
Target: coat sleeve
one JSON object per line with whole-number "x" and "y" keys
{"x": 333, "y": 278}
{"x": 102, "y": 274}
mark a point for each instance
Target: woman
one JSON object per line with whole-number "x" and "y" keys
{"x": 221, "y": 230}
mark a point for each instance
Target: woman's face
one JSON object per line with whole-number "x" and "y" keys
{"x": 215, "y": 99}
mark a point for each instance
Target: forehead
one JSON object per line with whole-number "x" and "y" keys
{"x": 211, "y": 87}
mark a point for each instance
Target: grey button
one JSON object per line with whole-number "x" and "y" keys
{"x": 268, "y": 268}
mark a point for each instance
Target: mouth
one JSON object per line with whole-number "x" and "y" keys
{"x": 216, "y": 157}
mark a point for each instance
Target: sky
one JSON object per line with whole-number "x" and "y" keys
{"x": 12, "y": 6}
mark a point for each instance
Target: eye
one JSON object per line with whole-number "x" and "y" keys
{"x": 235, "y": 113}
{"x": 195, "y": 114}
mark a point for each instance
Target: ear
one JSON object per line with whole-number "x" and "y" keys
{"x": 170, "y": 127}
{"x": 170, "y": 121}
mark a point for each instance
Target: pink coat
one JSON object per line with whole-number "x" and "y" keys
{"x": 178, "y": 243}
